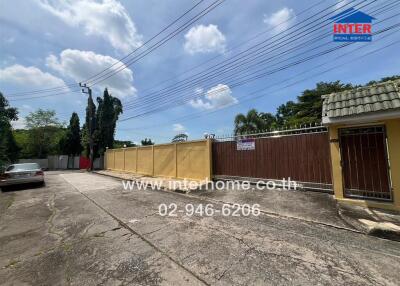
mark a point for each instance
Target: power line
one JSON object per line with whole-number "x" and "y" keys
{"x": 218, "y": 72}
{"x": 158, "y": 99}
{"x": 328, "y": 51}
{"x": 47, "y": 90}
{"x": 148, "y": 41}
{"x": 69, "y": 91}
{"x": 43, "y": 96}
{"x": 169, "y": 99}
{"x": 158, "y": 44}
{"x": 253, "y": 37}
{"x": 161, "y": 108}
{"x": 215, "y": 69}
{"x": 202, "y": 113}
{"x": 197, "y": 19}
{"x": 119, "y": 61}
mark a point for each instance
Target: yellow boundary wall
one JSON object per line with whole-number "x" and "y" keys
{"x": 183, "y": 160}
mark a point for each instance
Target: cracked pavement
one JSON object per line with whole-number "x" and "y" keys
{"x": 84, "y": 229}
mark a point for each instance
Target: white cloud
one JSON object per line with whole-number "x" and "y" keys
{"x": 179, "y": 128}
{"x": 216, "y": 97}
{"x": 204, "y": 39}
{"x": 281, "y": 19}
{"x": 19, "y": 124}
{"x": 81, "y": 65}
{"x": 29, "y": 76}
{"x": 107, "y": 18}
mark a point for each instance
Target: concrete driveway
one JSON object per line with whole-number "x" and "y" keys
{"x": 84, "y": 229}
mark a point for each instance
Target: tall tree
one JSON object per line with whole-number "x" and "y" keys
{"x": 8, "y": 147}
{"x": 285, "y": 113}
{"x": 108, "y": 111}
{"x": 123, "y": 143}
{"x": 43, "y": 125}
{"x": 394, "y": 77}
{"x": 71, "y": 142}
{"x": 182, "y": 137}
{"x": 147, "y": 142}
{"x": 86, "y": 132}
{"x": 309, "y": 106}
{"x": 269, "y": 120}
{"x": 307, "y": 109}
{"x": 249, "y": 123}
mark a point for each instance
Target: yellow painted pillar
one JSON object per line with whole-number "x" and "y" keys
{"x": 337, "y": 175}
{"x": 137, "y": 159}
{"x": 393, "y": 140}
{"x": 209, "y": 159}
{"x": 114, "y": 160}
{"x": 176, "y": 159}
{"x": 152, "y": 159}
{"x": 124, "y": 158}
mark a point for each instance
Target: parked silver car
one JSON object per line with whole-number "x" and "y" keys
{"x": 17, "y": 174}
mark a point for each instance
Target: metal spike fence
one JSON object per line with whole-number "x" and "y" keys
{"x": 279, "y": 132}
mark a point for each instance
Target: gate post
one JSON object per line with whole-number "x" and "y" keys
{"x": 393, "y": 138}
{"x": 176, "y": 159}
{"x": 337, "y": 176}
{"x": 209, "y": 159}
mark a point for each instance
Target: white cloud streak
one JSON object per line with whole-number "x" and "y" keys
{"x": 80, "y": 65}
{"x": 281, "y": 19}
{"x": 178, "y": 128}
{"x": 107, "y": 18}
{"x": 28, "y": 77}
{"x": 216, "y": 97}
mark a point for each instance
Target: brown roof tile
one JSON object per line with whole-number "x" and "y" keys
{"x": 378, "y": 97}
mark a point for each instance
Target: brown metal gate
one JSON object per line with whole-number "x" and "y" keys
{"x": 365, "y": 163}
{"x": 304, "y": 157}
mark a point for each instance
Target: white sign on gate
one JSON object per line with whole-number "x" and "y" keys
{"x": 246, "y": 144}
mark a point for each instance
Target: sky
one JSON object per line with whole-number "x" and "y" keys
{"x": 46, "y": 44}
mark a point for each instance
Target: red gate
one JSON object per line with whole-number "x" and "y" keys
{"x": 84, "y": 163}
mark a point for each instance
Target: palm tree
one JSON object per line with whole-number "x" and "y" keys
{"x": 250, "y": 123}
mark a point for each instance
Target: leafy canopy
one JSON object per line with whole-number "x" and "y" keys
{"x": 108, "y": 111}
{"x": 306, "y": 110}
{"x": 45, "y": 131}
{"x": 147, "y": 142}
{"x": 182, "y": 137}
{"x": 70, "y": 144}
{"x": 9, "y": 149}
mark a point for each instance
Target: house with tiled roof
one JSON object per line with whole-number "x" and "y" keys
{"x": 363, "y": 104}
{"x": 364, "y": 132}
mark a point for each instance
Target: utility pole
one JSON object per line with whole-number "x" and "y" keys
{"x": 88, "y": 90}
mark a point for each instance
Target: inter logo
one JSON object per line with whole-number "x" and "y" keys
{"x": 352, "y": 25}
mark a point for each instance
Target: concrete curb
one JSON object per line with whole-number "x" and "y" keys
{"x": 364, "y": 223}
{"x": 137, "y": 179}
